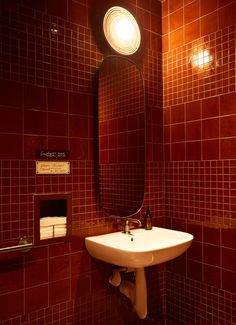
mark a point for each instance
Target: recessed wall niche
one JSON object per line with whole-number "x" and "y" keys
{"x": 52, "y": 217}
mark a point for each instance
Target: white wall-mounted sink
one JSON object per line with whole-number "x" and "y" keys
{"x": 133, "y": 252}
{"x": 141, "y": 248}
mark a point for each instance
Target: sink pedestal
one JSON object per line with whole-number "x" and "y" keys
{"x": 137, "y": 293}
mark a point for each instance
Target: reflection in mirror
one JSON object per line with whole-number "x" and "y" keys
{"x": 121, "y": 116}
{"x": 52, "y": 212}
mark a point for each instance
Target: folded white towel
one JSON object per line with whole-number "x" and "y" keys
{"x": 52, "y": 231}
{"x": 50, "y": 221}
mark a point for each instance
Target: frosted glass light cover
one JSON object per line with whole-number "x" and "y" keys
{"x": 121, "y": 30}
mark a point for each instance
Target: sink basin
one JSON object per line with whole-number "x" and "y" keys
{"x": 139, "y": 249}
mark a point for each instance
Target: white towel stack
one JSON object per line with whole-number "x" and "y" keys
{"x": 51, "y": 227}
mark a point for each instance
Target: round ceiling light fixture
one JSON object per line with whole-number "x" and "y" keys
{"x": 121, "y": 30}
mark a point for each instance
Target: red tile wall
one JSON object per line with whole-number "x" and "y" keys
{"x": 50, "y": 53}
{"x": 199, "y": 136}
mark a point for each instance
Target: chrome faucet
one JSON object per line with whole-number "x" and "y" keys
{"x": 127, "y": 223}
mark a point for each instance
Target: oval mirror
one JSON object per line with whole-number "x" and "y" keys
{"x": 121, "y": 130}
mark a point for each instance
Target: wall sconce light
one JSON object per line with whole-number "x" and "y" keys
{"x": 201, "y": 59}
{"x": 121, "y": 30}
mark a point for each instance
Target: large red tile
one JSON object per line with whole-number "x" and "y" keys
{"x": 228, "y": 238}
{"x": 11, "y": 146}
{"x": 212, "y": 275}
{"x": 11, "y": 93}
{"x": 193, "y": 150}
{"x": 12, "y": 277}
{"x": 175, "y": 4}
{"x": 57, "y": 8}
{"x": 36, "y": 298}
{"x": 209, "y": 23}
{"x": 57, "y": 124}
{"x": 11, "y": 120}
{"x": 34, "y": 97}
{"x": 77, "y": 13}
{"x": 227, "y": 147}
{"x": 177, "y": 113}
{"x": 32, "y": 143}
{"x": 227, "y": 15}
{"x": 192, "y": 31}
{"x": 59, "y": 291}
{"x": 207, "y": 7}
{"x": 228, "y": 126}
{"x": 176, "y": 38}
{"x": 57, "y": 100}
{"x": 194, "y": 270}
{"x": 211, "y": 235}
{"x": 78, "y": 126}
{"x": 211, "y": 254}
{"x": 59, "y": 268}
{"x": 35, "y": 122}
{"x": 228, "y": 281}
{"x": 36, "y": 273}
{"x": 193, "y": 111}
{"x": 176, "y": 20}
{"x": 210, "y": 128}
{"x": 210, "y": 149}
{"x": 227, "y": 104}
{"x": 178, "y": 151}
{"x": 229, "y": 259}
{"x": 178, "y": 132}
{"x": 191, "y": 11}
{"x": 193, "y": 130}
{"x": 210, "y": 107}
{"x": 80, "y": 286}
{"x": 12, "y": 304}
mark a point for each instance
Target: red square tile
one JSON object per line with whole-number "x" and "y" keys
{"x": 176, "y": 19}
{"x": 227, "y": 104}
{"x": 57, "y": 100}
{"x": 35, "y": 97}
{"x": 36, "y": 273}
{"x": 7, "y": 143}
{"x": 211, "y": 149}
{"x": 193, "y": 111}
{"x": 178, "y": 132}
{"x": 11, "y": 120}
{"x": 57, "y": 8}
{"x": 207, "y": 6}
{"x": 59, "y": 291}
{"x": 212, "y": 275}
{"x": 57, "y": 124}
{"x": 12, "y": 305}
{"x": 77, "y": 13}
{"x": 193, "y": 130}
{"x": 210, "y": 128}
{"x": 193, "y": 150}
{"x": 192, "y": 31}
{"x": 191, "y": 11}
{"x": 35, "y": 122}
{"x": 36, "y": 298}
{"x": 59, "y": 268}
{"x": 227, "y": 15}
{"x": 11, "y": 93}
{"x": 210, "y": 107}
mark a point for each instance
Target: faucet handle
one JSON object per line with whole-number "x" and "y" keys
{"x": 126, "y": 227}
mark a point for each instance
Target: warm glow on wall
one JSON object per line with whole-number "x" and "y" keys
{"x": 121, "y": 30}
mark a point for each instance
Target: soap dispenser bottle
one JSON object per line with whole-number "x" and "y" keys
{"x": 148, "y": 220}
